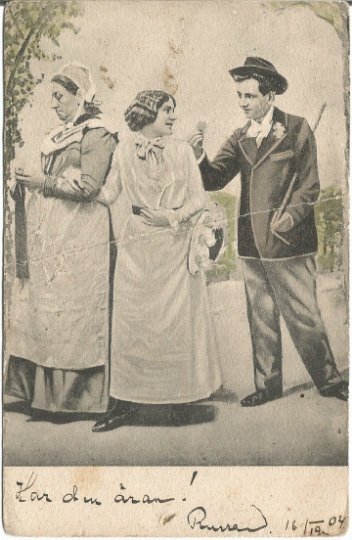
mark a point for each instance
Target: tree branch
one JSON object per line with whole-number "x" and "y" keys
{"x": 15, "y": 23}
{"x": 33, "y": 31}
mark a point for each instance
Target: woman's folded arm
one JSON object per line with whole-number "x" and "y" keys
{"x": 97, "y": 148}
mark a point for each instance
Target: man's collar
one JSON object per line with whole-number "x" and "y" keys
{"x": 278, "y": 116}
{"x": 268, "y": 118}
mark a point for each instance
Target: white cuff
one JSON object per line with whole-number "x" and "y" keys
{"x": 200, "y": 159}
{"x": 173, "y": 219}
{"x": 288, "y": 215}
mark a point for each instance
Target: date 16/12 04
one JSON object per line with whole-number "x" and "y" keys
{"x": 319, "y": 527}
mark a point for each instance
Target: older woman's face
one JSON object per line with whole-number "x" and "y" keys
{"x": 64, "y": 103}
{"x": 164, "y": 122}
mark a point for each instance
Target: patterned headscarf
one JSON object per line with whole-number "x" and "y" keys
{"x": 144, "y": 109}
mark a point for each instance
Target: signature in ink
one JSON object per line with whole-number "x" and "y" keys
{"x": 197, "y": 518}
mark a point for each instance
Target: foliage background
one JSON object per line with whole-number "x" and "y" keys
{"x": 41, "y": 36}
{"x": 26, "y": 26}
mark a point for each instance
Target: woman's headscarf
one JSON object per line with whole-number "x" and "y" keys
{"x": 81, "y": 76}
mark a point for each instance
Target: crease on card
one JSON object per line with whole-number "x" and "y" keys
{"x": 127, "y": 240}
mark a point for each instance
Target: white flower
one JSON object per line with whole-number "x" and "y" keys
{"x": 279, "y": 130}
{"x": 207, "y": 237}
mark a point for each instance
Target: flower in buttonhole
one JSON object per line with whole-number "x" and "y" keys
{"x": 279, "y": 130}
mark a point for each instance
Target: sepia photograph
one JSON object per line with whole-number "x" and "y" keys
{"x": 175, "y": 250}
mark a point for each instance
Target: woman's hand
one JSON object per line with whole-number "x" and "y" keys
{"x": 71, "y": 186}
{"x": 70, "y": 182}
{"x": 156, "y": 218}
{"x": 30, "y": 182}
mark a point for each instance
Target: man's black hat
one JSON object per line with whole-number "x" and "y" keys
{"x": 256, "y": 65}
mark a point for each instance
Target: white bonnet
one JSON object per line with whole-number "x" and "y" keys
{"x": 81, "y": 76}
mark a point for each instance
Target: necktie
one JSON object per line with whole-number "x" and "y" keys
{"x": 259, "y": 131}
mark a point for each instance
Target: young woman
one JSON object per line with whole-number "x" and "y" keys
{"x": 59, "y": 335}
{"x": 163, "y": 342}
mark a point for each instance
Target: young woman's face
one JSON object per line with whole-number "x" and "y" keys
{"x": 64, "y": 103}
{"x": 164, "y": 122}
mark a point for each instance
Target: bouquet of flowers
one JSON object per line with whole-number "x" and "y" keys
{"x": 207, "y": 242}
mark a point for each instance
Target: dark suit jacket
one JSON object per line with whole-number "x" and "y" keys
{"x": 265, "y": 176}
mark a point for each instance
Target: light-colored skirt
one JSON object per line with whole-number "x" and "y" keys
{"x": 163, "y": 339}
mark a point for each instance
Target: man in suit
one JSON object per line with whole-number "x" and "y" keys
{"x": 275, "y": 153}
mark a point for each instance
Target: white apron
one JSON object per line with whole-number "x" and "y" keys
{"x": 60, "y": 315}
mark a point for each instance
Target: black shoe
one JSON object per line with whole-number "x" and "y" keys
{"x": 259, "y": 398}
{"x": 179, "y": 414}
{"x": 114, "y": 419}
{"x": 339, "y": 391}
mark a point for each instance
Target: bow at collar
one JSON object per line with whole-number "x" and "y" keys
{"x": 145, "y": 147}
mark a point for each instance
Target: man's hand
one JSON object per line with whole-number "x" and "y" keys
{"x": 196, "y": 141}
{"x": 282, "y": 224}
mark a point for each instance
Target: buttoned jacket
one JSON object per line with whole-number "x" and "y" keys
{"x": 266, "y": 174}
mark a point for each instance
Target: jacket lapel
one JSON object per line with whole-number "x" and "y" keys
{"x": 248, "y": 145}
{"x": 276, "y": 135}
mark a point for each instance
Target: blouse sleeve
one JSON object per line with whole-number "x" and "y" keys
{"x": 113, "y": 186}
{"x": 195, "y": 195}
{"x": 97, "y": 148}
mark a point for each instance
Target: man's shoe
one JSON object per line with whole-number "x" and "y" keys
{"x": 113, "y": 420}
{"x": 259, "y": 398}
{"x": 339, "y": 391}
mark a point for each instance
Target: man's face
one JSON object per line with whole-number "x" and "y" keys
{"x": 251, "y": 101}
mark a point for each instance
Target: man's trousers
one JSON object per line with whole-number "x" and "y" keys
{"x": 286, "y": 287}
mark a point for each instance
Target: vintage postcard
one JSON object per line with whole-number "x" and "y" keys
{"x": 175, "y": 268}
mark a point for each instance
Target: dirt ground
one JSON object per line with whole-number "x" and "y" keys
{"x": 302, "y": 428}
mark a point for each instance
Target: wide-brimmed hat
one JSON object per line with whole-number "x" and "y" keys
{"x": 256, "y": 65}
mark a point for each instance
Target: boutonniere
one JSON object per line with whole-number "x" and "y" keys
{"x": 279, "y": 130}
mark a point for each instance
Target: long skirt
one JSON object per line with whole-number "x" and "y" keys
{"x": 58, "y": 340}
{"x": 57, "y": 390}
{"x": 164, "y": 346}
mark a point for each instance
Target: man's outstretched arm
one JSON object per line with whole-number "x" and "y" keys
{"x": 218, "y": 173}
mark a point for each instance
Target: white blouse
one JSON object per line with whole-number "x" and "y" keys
{"x": 177, "y": 187}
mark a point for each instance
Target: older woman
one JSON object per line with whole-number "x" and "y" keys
{"x": 163, "y": 342}
{"x": 59, "y": 336}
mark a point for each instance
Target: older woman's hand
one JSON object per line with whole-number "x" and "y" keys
{"x": 30, "y": 182}
{"x": 70, "y": 186}
{"x": 155, "y": 218}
